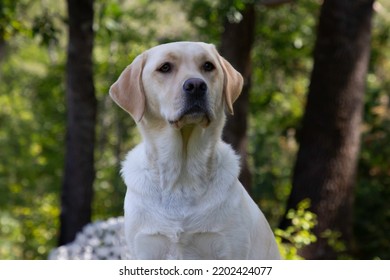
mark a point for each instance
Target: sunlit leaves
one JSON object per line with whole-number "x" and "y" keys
{"x": 299, "y": 233}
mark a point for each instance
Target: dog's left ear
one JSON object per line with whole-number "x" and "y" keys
{"x": 128, "y": 91}
{"x": 233, "y": 83}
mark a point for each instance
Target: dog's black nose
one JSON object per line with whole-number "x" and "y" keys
{"x": 195, "y": 86}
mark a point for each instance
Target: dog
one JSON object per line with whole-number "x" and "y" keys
{"x": 183, "y": 198}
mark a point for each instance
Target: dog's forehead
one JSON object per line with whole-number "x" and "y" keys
{"x": 180, "y": 50}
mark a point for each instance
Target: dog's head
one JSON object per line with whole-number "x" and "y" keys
{"x": 181, "y": 83}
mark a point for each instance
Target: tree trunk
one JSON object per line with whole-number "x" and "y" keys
{"x": 77, "y": 188}
{"x": 330, "y": 136}
{"x": 236, "y": 44}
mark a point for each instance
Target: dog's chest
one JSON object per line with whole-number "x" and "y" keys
{"x": 187, "y": 217}
{"x": 186, "y": 232}
{"x": 181, "y": 245}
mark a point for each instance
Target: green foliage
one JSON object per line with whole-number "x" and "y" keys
{"x": 30, "y": 168}
{"x": 9, "y": 23}
{"x": 334, "y": 241}
{"x": 281, "y": 70}
{"x": 44, "y": 27}
{"x": 208, "y": 16}
{"x": 299, "y": 234}
{"x": 372, "y": 212}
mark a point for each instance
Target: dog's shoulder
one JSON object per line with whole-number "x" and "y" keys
{"x": 227, "y": 160}
{"x": 134, "y": 159}
{"x": 134, "y": 168}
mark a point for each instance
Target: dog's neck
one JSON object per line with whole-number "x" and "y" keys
{"x": 181, "y": 155}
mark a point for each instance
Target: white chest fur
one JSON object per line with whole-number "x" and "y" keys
{"x": 194, "y": 219}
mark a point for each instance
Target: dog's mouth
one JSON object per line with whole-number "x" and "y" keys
{"x": 194, "y": 114}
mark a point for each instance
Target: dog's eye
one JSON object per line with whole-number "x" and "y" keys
{"x": 165, "y": 68}
{"x": 208, "y": 66}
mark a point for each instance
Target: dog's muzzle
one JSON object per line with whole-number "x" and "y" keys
{"x": 196, "y": 105}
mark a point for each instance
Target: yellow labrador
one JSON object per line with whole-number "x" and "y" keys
{"x": 183, "y": 198}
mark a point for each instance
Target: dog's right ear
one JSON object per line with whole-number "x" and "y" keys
{"x": 128, "y": 91}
